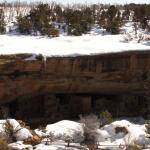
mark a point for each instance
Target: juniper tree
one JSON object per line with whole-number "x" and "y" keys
{"x": 142, "y": 15}
{"x": 88, "y": 17}
{"x": 38, "y": 20}
{"x": 40, "y": 16}
{"x": 2, "y": 22}
{"x": 78, "y": 21}
{"x": 25, "y": 25}
{"x": 59, "y": 14}
{"x": 102, "y": 20}
{"x": 113, "y": 20}
{"x": 126, "y": 14}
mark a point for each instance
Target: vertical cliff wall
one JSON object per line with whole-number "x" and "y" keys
{"x": 74, "y": 85}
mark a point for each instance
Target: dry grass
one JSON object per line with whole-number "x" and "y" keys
{"x": 3, "y": 145}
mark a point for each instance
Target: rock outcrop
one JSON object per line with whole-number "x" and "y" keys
{"x": 125, "y": 73}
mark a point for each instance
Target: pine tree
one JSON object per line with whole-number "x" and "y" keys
{"x": 114, "y": 27}
{"x": 2, "y": 22}
{"x": 102, "y": 20}
{"x": 114, "y": 20}
{"x": 78, "y": 21}
{"x": 40, "y": 16}
{"x": 142, "y": 15}
{"x": 126, "y": 14}
{"x": 38, "y": 20}
{"x": 112, "y": 11}
{"x": 59, "y": 14}
{"x": 25, "y": 25}
{"x": 88, "y": 16}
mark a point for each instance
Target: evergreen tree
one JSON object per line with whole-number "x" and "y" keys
{"x": 102, "y": 20}
{"x": 78, "y": 21}
{"x": 2, "y": 22}
{"x": 114, "y": 27}
{"x": 114, "y": 20}
{"x": 126, "y": 14}
{"x": 94, "y": 9}
{"x": 40, "y": 16}
{"x": 38, "y": 20}
{"x": 142, "y": 15}
{"x": 111, "y": 13}
{"x": 88, "y": 18}
{"x": 25, "y": 25}
{"x": 59, "y": 14}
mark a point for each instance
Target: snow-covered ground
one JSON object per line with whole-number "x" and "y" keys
{"x": 133, "y": 134}
{"x": 108, "y": 136}
{"x": 96, "y": 42}
{"x": 68, "y": 45}
{"x": 93, "y": 43}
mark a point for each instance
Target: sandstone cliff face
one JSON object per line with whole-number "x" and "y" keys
{"x": 75, "y": 85}
{"x": 106, "y": 74}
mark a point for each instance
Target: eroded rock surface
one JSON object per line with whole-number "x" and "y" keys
{"x": 125, "y": 73}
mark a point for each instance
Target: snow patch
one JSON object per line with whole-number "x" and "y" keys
{"x": 67, "y": 128}
{"x": 20, "y": 133}
{"x": 67, "y": 45}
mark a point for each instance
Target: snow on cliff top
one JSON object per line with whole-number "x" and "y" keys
{"x": 68, "y": 45}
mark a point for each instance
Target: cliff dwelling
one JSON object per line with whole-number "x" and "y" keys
{"x": 40, "y": 91}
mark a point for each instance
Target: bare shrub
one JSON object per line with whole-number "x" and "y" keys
{"x": 10, "y": 131}
{"x": 50, "y": 138}
{"x": 127, "y": 142}
{"x": 148, "y": 128}
{"x": 128, "y": 37}
{"x": 130, "y": 145}
{"x": 90, "y": 125}
{"x": 68, "y": 140}
{"x": 140, "y": 38}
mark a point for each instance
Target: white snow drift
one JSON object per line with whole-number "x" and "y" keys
{"x": 68, "y": 128}
{"x": 136, "y": 134}
{"x": 107, "y": 136}
{"x": 68, "y": 45}
{"x": 20, "y": 133}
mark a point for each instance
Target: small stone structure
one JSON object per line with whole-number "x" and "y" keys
{"x": 70, "y": 86}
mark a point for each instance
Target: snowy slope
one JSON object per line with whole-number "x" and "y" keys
{"x": 68, "y": 45}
